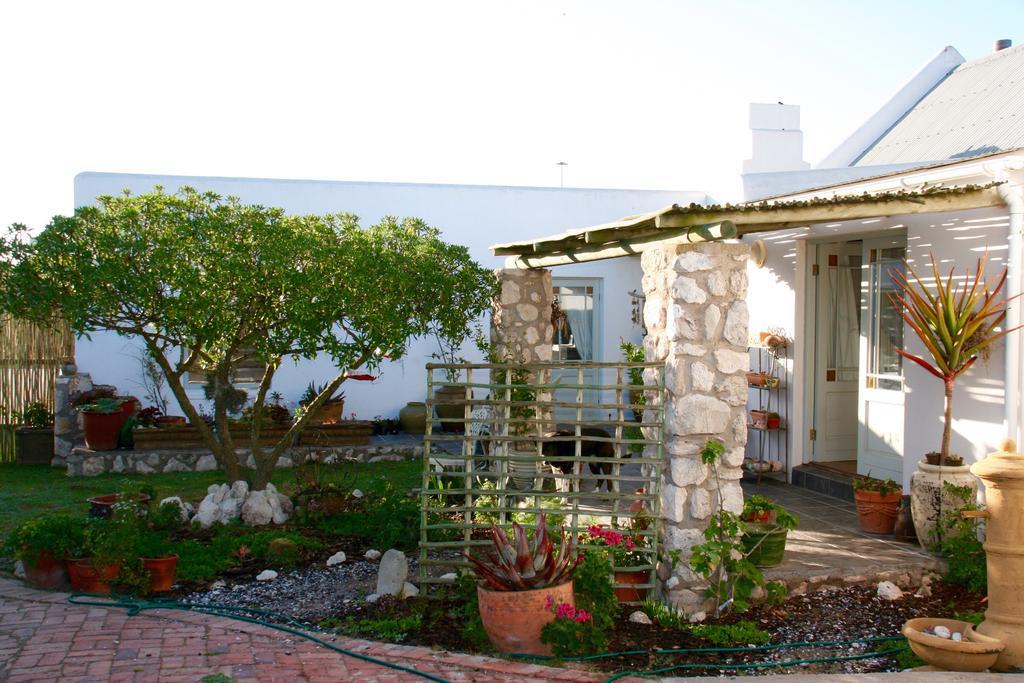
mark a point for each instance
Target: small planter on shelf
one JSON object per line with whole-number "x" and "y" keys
{"x": 773, "y": 421}
{"x": 759, "y": 419}
{"x": 766, "y": 525}
{"x": 757, "y": 379}
{"x": 878, "y": 504}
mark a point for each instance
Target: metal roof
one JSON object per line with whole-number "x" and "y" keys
{"x": 977, "y": 109}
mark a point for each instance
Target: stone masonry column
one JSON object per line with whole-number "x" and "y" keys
{"x": 67, "y": 428}
{"x": 521, "y": 321}
{"x": 696, "y": 317}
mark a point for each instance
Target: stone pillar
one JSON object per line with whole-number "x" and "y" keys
{"x": 67, "y": 430}
{"x": 521, "y": 320}
{"x": 696, "y": 318}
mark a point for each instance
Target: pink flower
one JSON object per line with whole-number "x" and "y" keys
{"x": 582, "y": 616}
{"x": 565, "y": 611}
{"x": 629, "y": 544}
{"x": 549, "y": 602}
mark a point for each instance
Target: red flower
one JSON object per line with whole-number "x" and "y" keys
{"x": 360, "y": 378}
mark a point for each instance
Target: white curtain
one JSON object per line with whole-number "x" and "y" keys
{"x": 580, "y": 321}
{"x": 846, "y": 328}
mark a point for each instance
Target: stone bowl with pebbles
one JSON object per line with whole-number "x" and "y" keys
{"x": 952, "y": 644}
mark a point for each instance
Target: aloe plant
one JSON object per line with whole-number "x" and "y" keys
{"x": 955, "y": 324}
{"x": 519, "y": 564}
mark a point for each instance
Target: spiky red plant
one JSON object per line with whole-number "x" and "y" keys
{"x": 519, "y": 564}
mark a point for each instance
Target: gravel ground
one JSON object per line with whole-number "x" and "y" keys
{"x": 308, "y": 594}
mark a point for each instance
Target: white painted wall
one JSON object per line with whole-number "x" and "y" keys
{"x": 476, "y": 216}
{"x": 777, "y": 144}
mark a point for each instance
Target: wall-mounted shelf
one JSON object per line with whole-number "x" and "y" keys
{"x": 770, "y": 446}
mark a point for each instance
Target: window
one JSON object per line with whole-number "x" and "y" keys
{"x": 885, "y": 320}
{"x": 574, "y": 328}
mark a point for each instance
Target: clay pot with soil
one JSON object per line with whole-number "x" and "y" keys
{"x": 161, "y": 572}
{"x": 878, "y": 504}
{"x": 87, "y": 577}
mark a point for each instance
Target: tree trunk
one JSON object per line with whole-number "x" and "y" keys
{"x": 947, "y": 427}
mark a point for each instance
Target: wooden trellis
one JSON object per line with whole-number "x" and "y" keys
{"x": 30, "y": 357}
{"x": 491, "y": 462}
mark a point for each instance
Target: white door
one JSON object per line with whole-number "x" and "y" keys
{"x": 836, "y": 352}
{"x": 880, "y": 412}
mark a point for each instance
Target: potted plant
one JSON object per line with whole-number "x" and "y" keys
{"x": 759, "y": 419}
{"x": 517, "y": 580}
{"x": 330, "y": 411}
{"x": 43, "y": 544}
{"x": 34, "y": 441}
{"x": 103, "y": 419}
{"x": 110, "y": 551}
{"x": 629, "y": 559}
{"x": 956, "y": 324}
{"x": 878, "y": 503}
{"x": 773, "y": 421}
{"x": 159, "y": 563}
{"x": 766, "y": 525}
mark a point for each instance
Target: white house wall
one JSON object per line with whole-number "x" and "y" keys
{"x": 956, "y": 239}
{"x": 475, "y": 216}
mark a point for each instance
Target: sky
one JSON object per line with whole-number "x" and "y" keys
{"x": 641, "y": 94}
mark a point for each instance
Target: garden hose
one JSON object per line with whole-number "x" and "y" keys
{"x": 134, "y": 606}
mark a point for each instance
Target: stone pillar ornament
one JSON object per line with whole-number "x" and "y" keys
{"x": 521, "y": 321}
{"x": 1002, "y": 473}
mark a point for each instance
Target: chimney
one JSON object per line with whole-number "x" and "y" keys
{"x": 777, "y": 143}
{"x": 1002, "y": 44}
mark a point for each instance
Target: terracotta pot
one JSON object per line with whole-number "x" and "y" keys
{"x": 413, "y": 417}
{"x": 631, "y": 594}
{"x": 33, "y": 445}
{"x": 102, "y": 506}
{"x": 47, "y": 572}
{"x": 171, "y": 421}
{"x": 161, "y": 572}
{"x": 85, "y": 578}
{"x": 974, "y": 652}
{"x": 757, "y": 379}
{"x": 513, "y": 619}
{"x": 759, "y": 419}
{"x": 929, "y": 499}
{"x": 877, "y": 512}
{"x": 330, "y": 412}
{"x": 102, "y": 429}
{"x": 774, "y": 422}
{"x": 450, "y": 404}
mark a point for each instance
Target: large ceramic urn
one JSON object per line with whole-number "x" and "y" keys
{"x": 1003, "y": 475}
{"x": 931, "y": 498}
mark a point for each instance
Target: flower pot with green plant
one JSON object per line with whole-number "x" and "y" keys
{"x": 33, "y": 442}
{"x": 110, "y": 550}
{"x": 159, "y": 562}
{"x": 102, "y": 420}
{"x": 330, "y": 411}
{"x": 630, "y": 557}
{"x": 878, "y": 503}
{"x": 773, "y": 421}
{"x": 957, "y": 324}
{"x": 518, "y": 580}
{"x": 766, "y": 525}
{"x": 43, "y": 544}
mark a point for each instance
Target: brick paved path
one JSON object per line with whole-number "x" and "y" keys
{"x": 43, "y": 638}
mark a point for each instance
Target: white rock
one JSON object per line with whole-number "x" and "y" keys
{"x": 698, "y": 414}
{"x": 639, "y": 617}
{"x": 19, "y": 569}
{"x": 391, "y": 575}
{"x": 450, "y": 577}
{"x": 184, "y": 508}
{"x": 712, "y": 316}
{"x": 672, "y": 582}
{"x": 736, "y": 322}
{"x": 218, "y": 584}
{"x": 730, "y": 362}
{"x": 240, "y": 489}
{"x": 702, "y": 377}
{"x": 941, "y": 632}
{"x": 356, "y": 493}
{"x": 372, "y": 597}
{"x": 206, "y": 463}
{"x": 409, "y": 591}
{"x": 923, "y": 592}
{"x": 687, "y": 289}
{"x": 257, "y": 509}
{"x": 266, "y": 575}
{"x": 691, "y": 261}
{"x": 336, "y": 558}
{"x": 957, "y": 636}
{"x": 888, "y": 590}
{"x": 372, "y": 555}
{"x": 700, "y": 504}
{"x": 697, "y": 617}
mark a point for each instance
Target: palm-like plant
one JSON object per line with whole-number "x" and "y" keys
{"x": 521, "y": 564}
{"x": 955, "y": 324}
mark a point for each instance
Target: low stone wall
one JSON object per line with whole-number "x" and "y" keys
{"x": 87, "y": 463}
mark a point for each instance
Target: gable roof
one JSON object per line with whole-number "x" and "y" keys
{"x": 978, "y": 108}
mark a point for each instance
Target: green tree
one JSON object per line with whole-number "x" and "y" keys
{"x": 206, "y": 281}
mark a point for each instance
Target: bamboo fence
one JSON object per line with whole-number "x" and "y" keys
{"x": 488, "y": 465}
{"x": 30, "y": 357}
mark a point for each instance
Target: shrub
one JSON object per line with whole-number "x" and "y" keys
{"x": 62, "y": 535}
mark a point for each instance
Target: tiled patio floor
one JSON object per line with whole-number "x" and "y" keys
{"x": 829, "y": 542}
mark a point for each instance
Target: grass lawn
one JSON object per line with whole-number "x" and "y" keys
{"x": 27, "y": 491}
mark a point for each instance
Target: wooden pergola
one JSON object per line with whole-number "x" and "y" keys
{"x": 697, "y": 223}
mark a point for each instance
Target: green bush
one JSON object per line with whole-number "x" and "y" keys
{"x": 62, "y": 535}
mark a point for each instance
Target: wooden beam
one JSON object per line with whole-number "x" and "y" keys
{"x": 631, "y": 247}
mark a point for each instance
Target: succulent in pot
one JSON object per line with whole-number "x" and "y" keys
{"x": 518, "y": 579}
{"x": 773, "y": 421}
